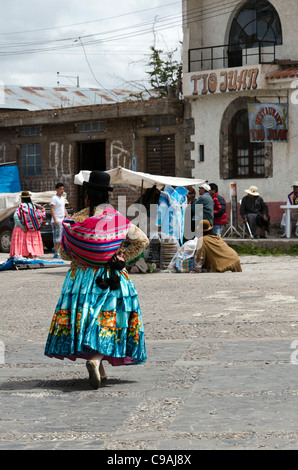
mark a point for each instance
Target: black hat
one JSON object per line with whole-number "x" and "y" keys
{"x": 99, "y": 180}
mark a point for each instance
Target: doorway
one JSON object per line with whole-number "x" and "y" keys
{"x": 160, "y": 155}
{"x": 91, "y": 156}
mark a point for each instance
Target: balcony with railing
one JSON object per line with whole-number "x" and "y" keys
{"x": 231, "y": 55}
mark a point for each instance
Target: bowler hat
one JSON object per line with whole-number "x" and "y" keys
{"x": 205, "y": 225}
{"x": 99, "y": 180}
{"x": 25, "y": 195}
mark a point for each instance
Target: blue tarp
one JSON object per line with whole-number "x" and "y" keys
{"x": 17, "y": 263}
{"x": 9, "y": 179}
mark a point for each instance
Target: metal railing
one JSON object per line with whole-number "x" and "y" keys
{"x": 231, "y": 55}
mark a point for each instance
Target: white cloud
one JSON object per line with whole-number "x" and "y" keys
{"x": 108, "y": 63}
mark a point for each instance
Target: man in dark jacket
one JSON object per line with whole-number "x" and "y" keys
{"x": 254, "y": 211}
{"x": 220, "y": 213}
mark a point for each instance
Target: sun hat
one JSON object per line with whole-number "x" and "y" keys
{"x": 99, "y": 180}
{"x": 205, "y": 186}
{"x": 253, "y": 190}
{"x": 295, "y": 184}
{"x": 25, "y": 195}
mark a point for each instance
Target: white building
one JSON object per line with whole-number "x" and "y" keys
{"x": 238, "y": 54}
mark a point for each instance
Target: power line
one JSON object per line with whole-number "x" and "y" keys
{"x": 93, "y": 75}
{"x": 90, "y": 21}
{"x": 192, "y": 16}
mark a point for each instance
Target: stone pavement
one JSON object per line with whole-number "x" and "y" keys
{"x": 219, "y": 372}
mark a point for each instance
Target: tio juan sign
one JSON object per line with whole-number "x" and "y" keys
{"x": 268, "y": 122}
{"x": 225, "y": 81}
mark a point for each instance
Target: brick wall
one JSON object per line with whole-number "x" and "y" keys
{"x": 124, "y": 137}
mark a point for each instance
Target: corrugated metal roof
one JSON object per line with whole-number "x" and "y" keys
{"x": 37, "y": 98}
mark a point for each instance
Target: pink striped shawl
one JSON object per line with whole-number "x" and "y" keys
{"x": 31, "y": 216}
{"x": 94, "y": 241}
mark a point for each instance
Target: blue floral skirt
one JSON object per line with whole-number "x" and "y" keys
{"x": 88, "y": 319}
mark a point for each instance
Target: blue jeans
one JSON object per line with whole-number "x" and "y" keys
{"x": 217, "y": 229}
{"x": 57, "y": 232}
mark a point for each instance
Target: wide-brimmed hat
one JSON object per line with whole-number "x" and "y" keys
{"x": 295, "y": 184}
{"x": 99, "y": 180}
{"x": 25, "y": 195}
{"x": 253, "y": 190}
{"x": 206, "y": 225}
{"x": 205, "y": 186}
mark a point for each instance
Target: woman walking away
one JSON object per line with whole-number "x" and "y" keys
{"x": 26, "y": 240}
{"x": 98, "y": 316}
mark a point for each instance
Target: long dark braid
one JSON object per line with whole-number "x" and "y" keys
{"x": 96, "y": 197}
{"x": 26, "y": 200}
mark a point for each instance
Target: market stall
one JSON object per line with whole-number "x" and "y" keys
{"x": 165, "y": 243}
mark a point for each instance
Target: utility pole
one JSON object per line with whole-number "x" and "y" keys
{"x": 70, "y": 77}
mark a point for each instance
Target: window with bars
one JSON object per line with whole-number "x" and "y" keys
{"x": 91, "y": 126}
{"x": 160, "y": 121}
{"x": 248, "y": 157}
{"x": 30, "y": 160}
{"x": 27, "y": 131}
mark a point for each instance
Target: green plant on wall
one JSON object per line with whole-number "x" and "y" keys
{"x": 163, "y": 70}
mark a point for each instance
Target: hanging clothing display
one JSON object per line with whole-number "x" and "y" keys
{"x": 171, "y": 212}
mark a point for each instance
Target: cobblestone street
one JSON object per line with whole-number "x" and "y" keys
{"x": 218, "y": 376}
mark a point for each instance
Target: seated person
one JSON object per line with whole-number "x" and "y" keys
{"x": 254, "y": 211}
{"x": 292, "y": 201}
{"x": 214, "y": 254}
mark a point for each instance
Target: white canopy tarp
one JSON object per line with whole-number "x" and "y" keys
{"x": 121, "y": 175}
{"x": 10, "y": 201}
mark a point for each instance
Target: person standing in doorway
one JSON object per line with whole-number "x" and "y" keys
{"x": 58, "y": 212}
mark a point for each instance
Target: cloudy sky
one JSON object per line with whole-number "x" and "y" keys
{"x": 105, "y": 43}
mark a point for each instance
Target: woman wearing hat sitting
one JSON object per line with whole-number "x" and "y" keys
{"x": 26, "y": 240}
{"x": 214, "y": 254}
{"x": 291, "y": 201}
{"x": 98, "y": 316}
{"x": 254, "y": 211}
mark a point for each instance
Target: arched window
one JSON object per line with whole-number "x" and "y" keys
{"x": 248, "y": 158}
{"x": 241, "y": 158}
{"x": 257, "y": 24}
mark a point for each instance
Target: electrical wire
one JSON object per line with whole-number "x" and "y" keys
{"x": 90, "y": 21}
{"x": 93, "y": 75}
{"x": 191, "y": 16}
